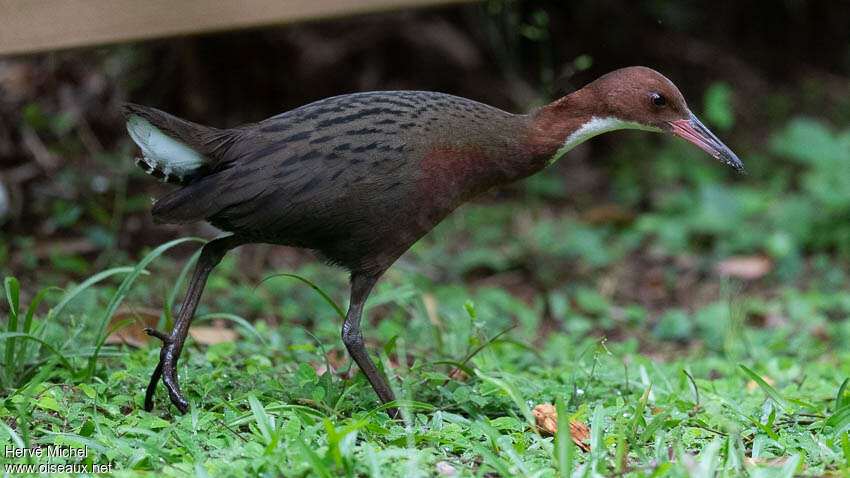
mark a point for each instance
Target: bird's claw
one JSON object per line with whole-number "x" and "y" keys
{"x": 166, "y": 339}
{"x": 168, "y": 371}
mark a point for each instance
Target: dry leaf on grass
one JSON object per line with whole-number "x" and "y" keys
{"x": 337, "y": 359}
{"x": 744, "y": 267}
{"x": 133, "y": 333}
{"x": 546, "y": 417}
{"x": 774, "y": 462}
{"x": 458, "y": 374}
{"x": 609, "y": 213}
{"x": 340, "y": 365}
{"x": 431, "y": 309}
{"x": 445, "y": 468}
{"x": 547, "y": 420}
{"x": 319, "y": 367}
{"x": 752, "y": 385}
{"x": 212, "y": 335}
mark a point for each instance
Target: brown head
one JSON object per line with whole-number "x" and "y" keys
{"x": 629, "y": 98}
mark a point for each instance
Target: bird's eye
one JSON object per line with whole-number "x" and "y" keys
{"x": 657, "y": 99}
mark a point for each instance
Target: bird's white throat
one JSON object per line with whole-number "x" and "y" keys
{"x": 596, "y": 126}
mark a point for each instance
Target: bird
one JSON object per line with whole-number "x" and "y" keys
{"x": 359, "y": 178}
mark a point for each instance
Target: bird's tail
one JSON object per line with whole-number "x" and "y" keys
{"x": 175, "y": 150}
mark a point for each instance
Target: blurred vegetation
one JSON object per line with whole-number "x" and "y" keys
{"x": 614, "y": 270}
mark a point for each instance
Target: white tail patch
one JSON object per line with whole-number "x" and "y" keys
{"x": 164, "y": 156}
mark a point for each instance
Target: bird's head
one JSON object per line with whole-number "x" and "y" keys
{"x": 635, "y": 98}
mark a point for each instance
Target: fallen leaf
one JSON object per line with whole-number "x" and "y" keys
{"x": 744, "y": 267}
{"x": 752, "y": 385}
{"x": 445, "y": 468}
{"x": 610, "y": 213}
{"x": 336, "y": 359}
{"x": 340, "y": 365}
{"x": 546, "y": 417}
{"x": 133, "y": 333}
{"x": 775, "y": 461}
{"x": 430, "y": 303}
{"x": 547, "y": 420}
{"x": 580, "y": 432}
{"x": 458, "y": 374}
{"x": 212, "y": 335}
{"x": 319, "y": 367}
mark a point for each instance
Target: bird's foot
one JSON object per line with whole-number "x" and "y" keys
{"x": 168, "y": 371}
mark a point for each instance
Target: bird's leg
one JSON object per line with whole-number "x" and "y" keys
{"x": 172, "y": 344}
{"x": 361, "y": 286}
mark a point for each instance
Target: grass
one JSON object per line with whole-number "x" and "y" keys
{"x": 260, "y": 407}
{"x": 718, "y": 377}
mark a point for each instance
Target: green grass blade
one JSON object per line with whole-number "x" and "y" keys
{"x": 12, "y": 287}
{"x": 789, "y": 469}
{"x": 597, "y": 444}
{"x": 233, "y": 318}
{"x": 839, "y": 421}
{"x": 61, "y": 357}
{"x": 85, "y": 285}
{"x": 840, "y": 399}
{"x": 767, "y": 389}
{"x": 118, "y": 325}
{"x": 13, "y": 436}
{"x": 200, "y": 471}
{"x": 487, "y": 343}
{"x": 408, "y": 404}
{"x": 502, "y": 467}
{"x": 564, "y": 446}
{"x": 314, "y": 460}
{"x": 460, "y": 366}
{"x": 314, "y": 286}
{"x": 122, "y": 292}
{"x": 34, "y": 306}
{"x": 98, "y": 447}
{"x": 261, "y": 417}
{"x": 513, "y": 393}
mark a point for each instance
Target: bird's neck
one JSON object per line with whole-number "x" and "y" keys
{"x": 566, "y": 123}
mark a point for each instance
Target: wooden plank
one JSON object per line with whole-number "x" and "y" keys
{"x": 37, "y": 25}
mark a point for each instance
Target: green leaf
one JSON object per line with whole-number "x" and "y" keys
{"x": 307, "y": 375}
{"x": 564, "y": 446}
{"x": 767, "y": 389}
{"x": 842, "y": 398}
{"x": 839, "y": 421}
{"x": 261, "y": 417}
{"x": 12, "y": 287}
{"x": 597, "y": 445}
{"x": 513, "y": 392}
{"x": 87, "y": 389}
{"x": 47, "y": 402}
{"x": 316, "y": 463}
{"x": 324, "y": 295}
